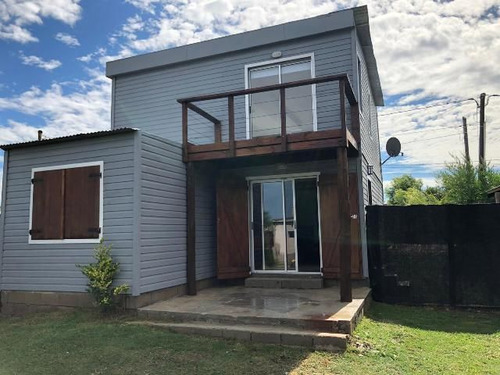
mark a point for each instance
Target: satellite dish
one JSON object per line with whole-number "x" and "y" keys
{"x": 393, "y": 147}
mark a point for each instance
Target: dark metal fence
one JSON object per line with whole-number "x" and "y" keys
{"x": 435, "y": 254}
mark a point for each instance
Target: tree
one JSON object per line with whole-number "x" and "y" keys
{"x": 407, "y": 191}
{"x": 398, "y": 188}
{"x": 463, "y": 183}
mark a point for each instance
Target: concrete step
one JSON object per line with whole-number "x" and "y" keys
{"x": 258, "y": 333}
{"x": 284, "y": 282}
{"x": 319, "y": 324}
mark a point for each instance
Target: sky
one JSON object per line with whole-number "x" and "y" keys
{"x": 434, "y": 58}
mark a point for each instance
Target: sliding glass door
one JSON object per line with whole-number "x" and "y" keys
{"x": 285, "y": 225}
{"x": 264, "y": 108}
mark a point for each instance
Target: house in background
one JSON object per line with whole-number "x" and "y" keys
{"x": 233, "y": 158}
{"x": 495, "y": 193}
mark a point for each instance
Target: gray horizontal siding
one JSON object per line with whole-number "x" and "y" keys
{"x": 148, "y": 100}
{"x": 163, "y": 214}
{"x": 370, "y": 143}
{"x": 51, "y": 267}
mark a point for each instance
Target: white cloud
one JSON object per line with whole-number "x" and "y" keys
{"x": 427, "y": 52}
{"x": 67, "y": 39}
{"x": 16, "y": 33}
{"x": 84, "y": 108}
{"x": 16, "y": 15}
{"x": 86, "y": 58}
{"x": 145, "y": 5}
{"x": 187, "y": 21}
{"x": 39, "y": 62}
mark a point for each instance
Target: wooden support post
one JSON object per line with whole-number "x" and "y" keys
{"x": 345, "y": 225}
{"x": 342, "y": 105}
{"x": 191, "y": 230}
{"x": 185, "y": 131}
{"x": 283, "y": 119}
{"x": 230, "y": 108}
{"x": 355, "y": 125}
{"x": 217, "y": 132}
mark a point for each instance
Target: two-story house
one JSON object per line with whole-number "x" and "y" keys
{"x": 233, "y": 158}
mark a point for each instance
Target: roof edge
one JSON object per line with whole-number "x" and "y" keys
{"x": 325, "y": 23}
{"x": 67, "y": 138}
{"x": 362, "y": 21}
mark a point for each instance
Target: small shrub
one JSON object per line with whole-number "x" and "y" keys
{"x": 101, "y": 275}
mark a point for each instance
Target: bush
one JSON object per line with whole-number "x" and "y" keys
{"x": 101, "y": 275}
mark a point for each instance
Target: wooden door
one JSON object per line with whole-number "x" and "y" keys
{"x": 330, "y": 226}
{"x": 232, "y": 228}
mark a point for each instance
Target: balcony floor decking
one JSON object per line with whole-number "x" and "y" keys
{"x": 272, "y": 144}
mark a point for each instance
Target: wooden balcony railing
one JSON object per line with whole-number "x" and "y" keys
{"x": 269, "y": 144}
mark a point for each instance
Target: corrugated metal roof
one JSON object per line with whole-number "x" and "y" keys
{"x": 494, "y": 190}
{"x": 67, "y": 138}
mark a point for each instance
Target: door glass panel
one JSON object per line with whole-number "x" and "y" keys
{"x": 307, "y": 225}
{"x": 299, "y": 108}
{"x": 264, "y": 106}
{"x": 285, "y": 221}
{"x": 289, "y": 226}
{"x": 257, "y": 226}
{"x": 274, "y": 239}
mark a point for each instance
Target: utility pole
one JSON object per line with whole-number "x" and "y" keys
{"x": 466, "y": 139}
{"x": 482, "y": 131}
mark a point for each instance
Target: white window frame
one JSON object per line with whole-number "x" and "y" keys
{"x": 262, "y": 64}
{"x": 100, "y": 164}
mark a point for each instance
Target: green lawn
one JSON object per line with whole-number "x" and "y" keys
{"x": 390, "y": 340}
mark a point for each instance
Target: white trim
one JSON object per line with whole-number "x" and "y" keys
{"x": 278, "y": 272}
{"x": 319, "y": 224}
{"x": 278, "y": 62}
{"x": 3, "y": 208}
{"x": 295, "y": 243}
{"x": 262, "y": 228}
{"x": 278, "y": 177}
{"x": 282, "y": 178}
{"x": 113, "y": 102}
{"x": 101, "y": 202}
{"x": 285, "y": 253}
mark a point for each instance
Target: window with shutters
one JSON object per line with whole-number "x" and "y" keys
{"x": 66, "y": 204}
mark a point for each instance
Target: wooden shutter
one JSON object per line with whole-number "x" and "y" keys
{"x": 82, "y": 196}
{"x": 48, "y": 205}
{"x": 330, "y": 226}
{"x": 356, "y": 261}
{"x": 232, "y": 228}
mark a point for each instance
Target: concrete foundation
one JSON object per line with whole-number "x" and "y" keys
{"x": 14, "y": 302}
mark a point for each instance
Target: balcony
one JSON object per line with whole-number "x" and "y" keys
{"x": 272, "y": 119}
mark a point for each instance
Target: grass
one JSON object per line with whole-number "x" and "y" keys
{"x": 390, "y": 340}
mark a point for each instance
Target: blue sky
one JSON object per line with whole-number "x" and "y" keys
{"x": 433, "y": 54}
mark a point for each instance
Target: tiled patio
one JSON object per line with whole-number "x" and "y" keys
{"x": 312, "y": 317}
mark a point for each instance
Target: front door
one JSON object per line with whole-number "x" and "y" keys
{"x": 285, "y": 225}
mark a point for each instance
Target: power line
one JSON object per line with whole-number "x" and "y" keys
{"x": 422, "y": 165}
{"x": 428, "y": 139}
{"x": 422, "y": 108}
